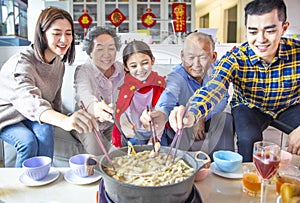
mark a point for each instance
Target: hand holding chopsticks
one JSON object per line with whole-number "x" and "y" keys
{"x": 97, "y": 136}
{"x": 177, "y": 136}
{"x": 153, "y": 133}
{"x": 179, "y": 118}
{"x": 103, "y": 111}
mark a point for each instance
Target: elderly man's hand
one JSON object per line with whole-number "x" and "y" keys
{"x": 177, "y": 121}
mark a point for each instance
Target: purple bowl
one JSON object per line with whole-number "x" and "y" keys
{"x": 77, "y": 165}
{"x": 37, "y": 167}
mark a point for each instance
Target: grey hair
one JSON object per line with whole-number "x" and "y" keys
{"x": 88, "y": 42}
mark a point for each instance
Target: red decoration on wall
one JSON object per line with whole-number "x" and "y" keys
{"x": 85, "y": 20}
{"x": 116, "y": 17}
{"x": 148, "y": 18}
{"x": 179, "y": 16}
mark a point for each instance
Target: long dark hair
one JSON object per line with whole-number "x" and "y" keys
{"x": 46, "y": 18}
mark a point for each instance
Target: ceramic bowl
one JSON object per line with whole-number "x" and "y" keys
{"x": 37, "y": 167}
{"x": 285, "y": 158}
{"x": 201, "y": 174}
{"x": 77, "y": 165}
{"x": 227, "y": 161}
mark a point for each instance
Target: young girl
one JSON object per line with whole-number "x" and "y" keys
{"x": 31, "y": 81}
{"x": 140, "y": 91}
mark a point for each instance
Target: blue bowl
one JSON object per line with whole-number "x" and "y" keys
{"x": 227, "y": 161}
{"x": 37, "y": 168}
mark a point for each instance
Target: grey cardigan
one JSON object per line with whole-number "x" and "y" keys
{"x": 29, "y": 86}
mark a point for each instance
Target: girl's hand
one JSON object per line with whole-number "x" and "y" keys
{"x": 157, "y": 117}
{"x": 146, "y": 119}
{"x": 81, "y": 121}
{"x": 126, "y": 126}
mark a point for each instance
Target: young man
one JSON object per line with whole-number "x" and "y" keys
{"x": 213, "y": 132}
{"x": 265, "y": 73}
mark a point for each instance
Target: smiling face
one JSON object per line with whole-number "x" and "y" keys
{"x": 104, "y": 52}
{"x": 139, "y": 66}
{"x": 197, "y": 56}
{"x": 59, "y": 38}
{"x": 264, "y": 33}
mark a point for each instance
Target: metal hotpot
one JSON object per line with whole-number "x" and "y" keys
{"x": 178, "y": 192}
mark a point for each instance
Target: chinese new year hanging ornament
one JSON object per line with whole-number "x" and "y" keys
{"x": 116, "y": 17}
{"x": 148, "y": 18}
{"x": 179, "y": 16}
{"x": 85, "y": 21}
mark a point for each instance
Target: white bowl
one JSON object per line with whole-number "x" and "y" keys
{"x": 37, "y": 167}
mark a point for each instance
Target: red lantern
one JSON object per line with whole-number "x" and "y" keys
{"x": 148, "y": 18}
{"x": 179, "y": 16}
{"x": 85, "y": 20}
{"x": 116, "y": 17}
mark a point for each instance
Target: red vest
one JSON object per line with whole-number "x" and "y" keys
{"x": 130, "y": 85}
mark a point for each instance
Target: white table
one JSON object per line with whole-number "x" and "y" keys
{"x": 59, "y": 191}
{"x": 213, "y": 189}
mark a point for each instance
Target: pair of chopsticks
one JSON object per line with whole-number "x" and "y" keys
{"x": 131, "y": 123}
{"x": 97, "y": 136}
{"x": 152, "y": 130}
{"x": 177, "y": 137}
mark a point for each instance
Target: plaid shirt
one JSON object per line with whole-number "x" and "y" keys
{"x": 272, "y": 88}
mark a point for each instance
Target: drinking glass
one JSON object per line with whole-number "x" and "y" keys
{"x": 251, "y": 181}
{"x": 266, "y": 158}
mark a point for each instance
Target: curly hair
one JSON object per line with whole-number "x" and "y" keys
{"x": 88, "y": 42}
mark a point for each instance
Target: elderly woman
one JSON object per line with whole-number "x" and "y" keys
{"x": 96, "y": 82}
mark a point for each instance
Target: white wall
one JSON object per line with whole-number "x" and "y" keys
{"x": 293, "y": 12}
{"x": 216, "y": 10}
{"x": 35, "y": 7}
{"x": 33, "y": 12}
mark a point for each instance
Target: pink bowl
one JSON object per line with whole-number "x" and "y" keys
{"x": 285, "y": 158}
{"x": 201, "y": 174}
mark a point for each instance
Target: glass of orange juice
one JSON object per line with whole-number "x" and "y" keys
{"x": 287, "y": 174}
{"x": 251, "y": 181}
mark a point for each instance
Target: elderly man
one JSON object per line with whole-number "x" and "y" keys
{"x": 213, "y": 132}
{"x": 265, "y": 73}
